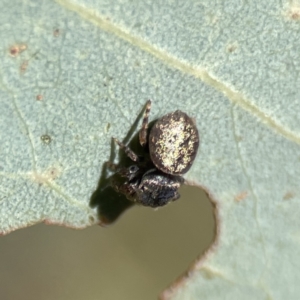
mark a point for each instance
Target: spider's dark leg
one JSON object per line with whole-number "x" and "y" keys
{"x": 144, "y": 129}
{"x": 112, "y": 166}
{"x": 127, "y": 150}
{"x": 128, "y": 173}
{"x": 127, "y": 189}
{"x": 124, "y": 172}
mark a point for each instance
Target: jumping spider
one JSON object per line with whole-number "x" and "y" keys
{"x": 170, "y": 146}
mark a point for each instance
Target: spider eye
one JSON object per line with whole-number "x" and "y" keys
{"x": 133, "y": 169}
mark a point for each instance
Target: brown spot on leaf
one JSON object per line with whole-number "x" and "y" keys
{"x": 56, "y": 32}
{"x": 46, "y": 139}
{"x": 288, "y": 196}
{"x": 293, "y": 12}
{"x": 231, "y": 48}
{"x": 241, "y": 196}
{"x": 24, "y": 66}
{"x": 15, "y": 50}
{"x": 53, "y": 173}
{"x": 39, "y": 97}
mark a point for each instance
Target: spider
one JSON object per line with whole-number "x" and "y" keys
{"x": 170, "y": 147}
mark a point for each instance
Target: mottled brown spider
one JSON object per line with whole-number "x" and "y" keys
{"x": 170, "y": 147}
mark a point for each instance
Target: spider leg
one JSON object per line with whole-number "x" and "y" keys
{"x": 127, "y": 150}
{"x": 112, "y": 166}
{"x": 128, "y": 173}
{"x": 144, "y": 129}
{"x": 123, "y": 172}
{"x": 127, "y": 189}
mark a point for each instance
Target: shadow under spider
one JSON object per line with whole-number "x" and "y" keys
{"x": 109, "y": 203}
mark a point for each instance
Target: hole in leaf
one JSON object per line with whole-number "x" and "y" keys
{"x": 136, "y": 258}
{"x": 167, "y": 241}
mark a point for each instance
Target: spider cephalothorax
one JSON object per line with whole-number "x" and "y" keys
{"x": 172, "y": 144}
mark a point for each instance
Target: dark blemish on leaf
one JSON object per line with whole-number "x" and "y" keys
{"x": 293, "y": 11}
{"x": 56, "y": 32}
{"x": 53, "y": 173}
{"x": 25, "y": 63}
{"x": 39, "y": 97}
{"x": 91, "y": 219}
{"x": 295, "y": 16}
{"x": 13, "y": 51}
{"x": 107, "y": 81}
{"x": 231, "y": 48}
{"x": 107, "y": 127}
{"x": 46, "y": 139}
{"x": 288, "y": 196}
{"x": 17, "y": 49}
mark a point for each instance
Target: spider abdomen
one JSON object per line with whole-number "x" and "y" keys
{"x": 173, "y": 143}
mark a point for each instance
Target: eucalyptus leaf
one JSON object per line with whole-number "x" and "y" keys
{"x": 75, "y": 73}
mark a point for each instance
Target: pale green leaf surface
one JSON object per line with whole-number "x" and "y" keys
{"x": 233, "y": 65}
